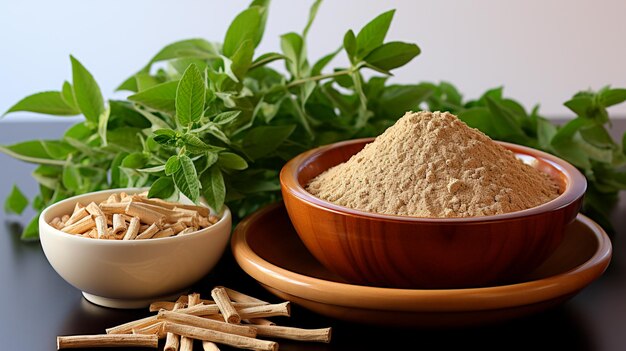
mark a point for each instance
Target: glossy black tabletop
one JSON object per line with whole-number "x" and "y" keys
{"x": 36, "y": 305}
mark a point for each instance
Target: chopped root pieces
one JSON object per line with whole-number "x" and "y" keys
{"x": 107, "y": 340}
{"x": 192, "y": 318}
{"x": 263, "y": 311}
{"x": 238, "y": 341}
{"x": 131, "y": 217}
{"x": 225, "y": 305}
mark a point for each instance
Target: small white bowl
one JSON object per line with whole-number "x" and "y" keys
{"x": 130, "y": 274}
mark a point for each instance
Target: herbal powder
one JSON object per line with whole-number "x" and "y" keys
{"x": 431, "y": 164}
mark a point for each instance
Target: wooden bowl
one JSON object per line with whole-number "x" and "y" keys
{"x": 415, "y": 252}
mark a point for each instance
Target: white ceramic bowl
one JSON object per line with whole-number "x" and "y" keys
{"x": 130, "y": 274}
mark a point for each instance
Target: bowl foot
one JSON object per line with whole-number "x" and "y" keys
{"x": 130, "y": 303}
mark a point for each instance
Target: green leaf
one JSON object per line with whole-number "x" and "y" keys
{"x": 349, "y": 44}
{"x": 172, "y": 165}
{"x": 265, "y": 59}
{"x": 504, "y": 122}
{"x": 545, "y": 132}
{"x": 165, "y": 137}
{"x": 495, "y": 94}
{"x": 572, "y": 153}
{"x": 48, "y": 102}
{"x": 479, "y": 118}
{"x": 580, "y": 105}
{"x": 319, "y": 66}
{"x": 124, "y": 139}
{"x": 294, "y": 49}
{"x": 155, "y": 121}
{"x": 186, "y": 179}
{"x": 86, "y": 91}
{"x": 229, "y": 72}
{"x": 213, "y": 188}
{"x": 248, "y": 25}
{"x": 373, "y": 34}
{"x": 184, "y": 49}
{"x": 170, "y": 133}
{"x": 205, "y": 161}
{"x": 103, "y": 121}
{"x": 67, "y": 94}
{"x": 199, "y": 48}
{"x": 50, "y": 171}
{"x": 566, "y": 132}
{"x": 162, "y": 188}
{"x": 38, "y": 151}
{"x": 218, "y": 133}
{"x": 269, "y": 111}
{"x": 229, "y": 160}
{"x": 47, "y": 176}
{"x": 196, "y": 145}
{"x": 398, "y": 99}
{"x": 180, "y": 65}
{"x": 31, "y": 231}
{"x": 226, "y": 117}
{"x": 592, "y": 152}
{"x": 57, "y": 149}
{"x": 130, "y": 84}
{"x": 79, "y": 131}
{"x": 38, "y": 203}
{"x": 451, "y": 94}
{"x": 152, "y": 169}
{"x": 263, "y": 140}
{"x": 312, "y": 14}
{"x": 190, "y": 97}
{"x": 242, "y": 59}
{"x": 124, "y": 114}
{"x": 118, "y": 178}
{"x": 612, "y": 97}
{"x": 16, "y": 202}
{"x": 160, "y": 97}
{"x": 392, "y": 55}
{"x": 72, "y": 179}
{"x": 145, "y": 81}
{"x": 135, "y": 160}
{"x": 597, "y": 136}
{"x": 263, "y": 5}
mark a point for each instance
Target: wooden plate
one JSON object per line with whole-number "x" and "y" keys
{"x": 267, "y": 247}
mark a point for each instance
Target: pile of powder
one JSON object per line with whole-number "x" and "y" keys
{"x": 431, "y": 164}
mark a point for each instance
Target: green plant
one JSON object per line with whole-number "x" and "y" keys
{"x": 214, "y": 120}
{"x": 583, "y": 141}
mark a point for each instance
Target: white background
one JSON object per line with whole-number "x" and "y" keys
{"x": 541, "y": 51}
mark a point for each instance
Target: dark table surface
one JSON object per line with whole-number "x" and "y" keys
{"x": 36, "y": 305}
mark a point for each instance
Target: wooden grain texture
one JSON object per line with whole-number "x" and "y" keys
{"x": 410, "y": 252}
{"x": 267, "y": 248}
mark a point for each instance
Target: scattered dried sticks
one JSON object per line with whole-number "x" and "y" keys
{"x": 192, "y": 318}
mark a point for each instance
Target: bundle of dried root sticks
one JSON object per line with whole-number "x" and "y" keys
{"x": 230, "y": 318}
{"x": 129, "y": 217}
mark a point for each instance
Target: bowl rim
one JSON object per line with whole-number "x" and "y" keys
{"x": 576, "y": 187}
{"x": 225, "y": 216}
{"x": 421, "y": 300}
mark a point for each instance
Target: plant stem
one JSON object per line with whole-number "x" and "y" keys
{"x": 316, "y": 78}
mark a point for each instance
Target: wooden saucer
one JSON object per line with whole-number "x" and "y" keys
{"x": 267, "y": 247}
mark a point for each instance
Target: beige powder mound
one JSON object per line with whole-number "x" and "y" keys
{"x": 431, "y": 164}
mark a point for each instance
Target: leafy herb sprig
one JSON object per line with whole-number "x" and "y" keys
{"x": 215, "y": 121}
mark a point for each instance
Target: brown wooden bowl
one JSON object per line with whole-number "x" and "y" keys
{"x": 416, "y": 252}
